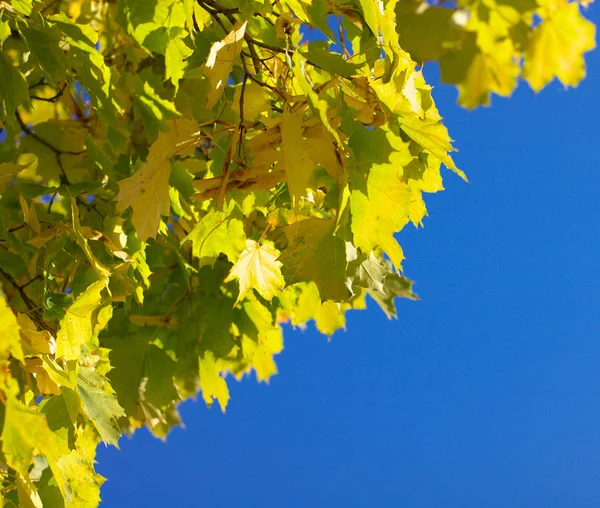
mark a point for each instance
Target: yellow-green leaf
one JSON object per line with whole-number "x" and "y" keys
{"x": 216, "y": 233}
{"x": 258, "y": 268}
{"x": 213, "y": 386}
{"x": 297, "y": 162}
{"x": 24, "y": 433}
{"x": 557, "y": 46}
{"x": 315, "y": 254}
{"x": 147, "y": 191}
{"x": 221, "y": 58}
{"x": 13, "y": 87}
{"x": 10, "y": 341}
{"x": 77, "y": 326}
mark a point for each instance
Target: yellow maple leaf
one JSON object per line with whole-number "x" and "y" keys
{"x": 213, "y": 386}
{"x": 321, "y": 149}
{"x": 77, "y": 327}
{"x": 147, "y": 191}
{"x": 558, "y": 45}
{"x": 489, "y": 72}
{"x": 297, "y": 162}
{"x": 330, "y": 317}
{"x": 42, "y": 341}
{"x": 220, "y": 61}
{"x": 258, "y": 268}
{"x": 255, "y": 101}
{"x": 44, "y": 382}
{"x": 260, "y": 354}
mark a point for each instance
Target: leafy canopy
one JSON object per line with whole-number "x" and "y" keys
{"x": 179, "y": 177}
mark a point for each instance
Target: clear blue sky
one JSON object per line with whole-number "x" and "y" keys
{"x": 486, "y": 393}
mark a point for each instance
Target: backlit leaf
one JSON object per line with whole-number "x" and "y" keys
{"x": 557, "y": 46}
{"x": 216, "y": 233}
{"x": 213, "y": 386}
{"x": 221, "y": 58}
{"x": 147, "y": 191}
{"x": 298, "y": 164}
{"x": 258, "y": 268}
{"x": 13, "y": 88}
{"x": 314, "y": 254}
{"x": 77, "y": 327}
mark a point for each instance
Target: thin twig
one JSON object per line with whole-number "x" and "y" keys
{"x": 54, "y": 98}
{"x": 57, "y": 152}
{"x": 26, "y": 300}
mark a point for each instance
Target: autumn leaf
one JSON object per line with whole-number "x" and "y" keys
{"x": 9, "y": 333}
{"x": 213, "y": 386}
{"x": 8, "y": 171}
{"x": 100, "y": 406}
{"x": 297, "y": 163}
{"x": 221, "y": 58}
{"x": 315, "y": 254}
{"x": 77, "y": 326}
{"x": 257, "y": 268}
{"x": 217, "y": 232}
{"x": 557, "y": 46}
{"x": 147, "y": 191}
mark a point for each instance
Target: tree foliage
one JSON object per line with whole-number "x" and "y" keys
{"x": 179, "y": 177}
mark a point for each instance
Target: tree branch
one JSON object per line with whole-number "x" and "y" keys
{"x": 33, "y": 308}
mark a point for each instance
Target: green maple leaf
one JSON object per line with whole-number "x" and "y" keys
{"x": 13, "y": 87}
{"x": 100, "y": 406}
{"x": 381, "y": 282}
{"x": 142, "y": 377}
{"x": 315, "y": 254}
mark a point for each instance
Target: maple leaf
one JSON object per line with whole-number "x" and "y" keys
{"x": 77, "y": 326}
{"x": 221, "y": 58}
{"x": 258, "y": 268}
{"x": 381, "y": 282}
{"x": 8, "y": 171}
{"x": 176, "y": 54}
{"x": 147, "y": 191}
{"x": 100, "y": 406}
{"x": 297, "y": 162}
{"x": 13, "y": 87}
{"x": 28, "y": 493}
{"x": 261, "y": 339}
{"x": 557, "y": 46}
{"x": 330, "y": 318}
{"x": 380, "y": 199}
{"x": 313, "y": 253}
{"x": 317, "y": 104}
{"x": 216, "y": 233}
{"x": 23, "y": 428}
{"x": 212, "y": 384}
{"x": 255, "y": 101}
{"x": 477, "y": 72}
{"x": 40, "y": 341}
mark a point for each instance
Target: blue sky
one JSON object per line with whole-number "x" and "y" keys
{"x": 484, "y": 393}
